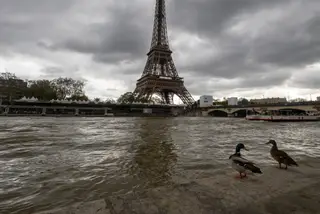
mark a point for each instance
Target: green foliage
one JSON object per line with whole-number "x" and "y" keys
{"x": 298, "y": 100}
{"x": 79, "y": 97}
{"x": 67, "y": 87}
{"x": 60, "y": 88}
{"x": 11, "y": 87}
{"x": 243, "y": 101}
{"x": 41, "y": 89}
{"x": 223, "y": 102}
{"x": 110, "y": 101}
{"x": 97, "y": 100}
{"x": 127, "y": 98}
{"x": 130, "y": 97}
{"x": 8, "y": 76}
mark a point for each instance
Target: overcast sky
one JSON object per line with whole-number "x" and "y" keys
{"x": 248, "y": 48}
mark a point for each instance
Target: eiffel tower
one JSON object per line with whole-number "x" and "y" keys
{"x": 160, "y": 76}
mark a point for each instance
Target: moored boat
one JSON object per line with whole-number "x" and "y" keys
{"x": 284, "y": 118}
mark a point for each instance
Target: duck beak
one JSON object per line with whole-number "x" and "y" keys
{"x": 246, "y": 149}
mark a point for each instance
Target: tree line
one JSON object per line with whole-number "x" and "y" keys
{"x": 43, "y": 89}
{"x": 65, "y": 88}
{"x": 130, "y": 97}
{"x": 62, "y": 88}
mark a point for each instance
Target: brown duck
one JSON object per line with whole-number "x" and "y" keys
{"x": 280, "y": 156}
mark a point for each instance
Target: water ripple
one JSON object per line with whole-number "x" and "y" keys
{"x": 50, "y": 162}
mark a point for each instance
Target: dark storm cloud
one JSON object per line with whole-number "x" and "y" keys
{"x": 243, "y": 46}
{"x": 306, "y": 79}
{"x": 200, "y": 85}
{"x": 120, "y": 42}
{"x": 209, "y": 17}
{"x": 289, "y": 42}
{"x": 21, "y": 21}
{"x": 25, "y": 24}
{"x": 124, "y": 36}
{"x": 264, "y": 80}
{"x": 55, "y": 72}
{"x": 35, "y": 7}
{"x": 231, "y": 62}
{"x": 312, "y": 82}
{"x": 297, "y": 46}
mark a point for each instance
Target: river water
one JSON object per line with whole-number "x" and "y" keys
{"x": 50, "y": 162}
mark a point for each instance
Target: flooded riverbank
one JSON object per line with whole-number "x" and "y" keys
{"x": 277, "y": 191}
{"x": 55, "y": 162}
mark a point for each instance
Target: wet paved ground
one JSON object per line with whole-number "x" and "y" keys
{"x": 276, "y": 191}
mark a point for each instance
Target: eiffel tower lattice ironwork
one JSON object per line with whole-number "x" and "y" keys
{"x": 160, "y": 75}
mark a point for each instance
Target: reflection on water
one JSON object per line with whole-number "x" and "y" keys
{"x": 154, "y": 162}
{"x": 51, "y": 162}
{"x": 155, "y": 155}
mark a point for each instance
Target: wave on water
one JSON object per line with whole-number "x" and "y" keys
{"x": 50, "y": 162}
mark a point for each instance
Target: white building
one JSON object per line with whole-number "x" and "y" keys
{"x": 272, "y": 100}
{"x": 206, "y": 101}
{"x": 232, "y": 101}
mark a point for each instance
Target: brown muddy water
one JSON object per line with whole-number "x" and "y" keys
{"x": 51, "y": 162}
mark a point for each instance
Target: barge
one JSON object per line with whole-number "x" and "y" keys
{"x": 284, "y": 116}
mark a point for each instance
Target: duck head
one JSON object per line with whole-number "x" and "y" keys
{"x": 273, "y": 142}
{"x": 239, "y": 147}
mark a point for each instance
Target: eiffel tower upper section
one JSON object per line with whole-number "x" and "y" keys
{"x": 160, "y": 35}
{"x": 160, "y": 75}
{"x": 159, "y": 60}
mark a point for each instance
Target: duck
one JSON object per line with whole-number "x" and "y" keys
{"x": 241, "y": 164}
{"x": 280, "y": 156}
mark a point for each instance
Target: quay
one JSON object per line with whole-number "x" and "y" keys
{"x": 295, "y": 190}
{"x": 86, "y": 109}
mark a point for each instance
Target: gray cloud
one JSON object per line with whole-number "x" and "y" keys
{"x": 293, "y": 44}
{"x": 53, "y": 72}
{"x": 309, "y": 83}
{"x": 307, "y": 80}
{"x": 35, "y": 7}
{"x": 123, "y": 36}
{"x": 289, "y": 42}
{"x": 209, "y": 17}
{"x": 254, "y": 81}
{"x": 231, "y": 44}
{"x": 20, "y": 21}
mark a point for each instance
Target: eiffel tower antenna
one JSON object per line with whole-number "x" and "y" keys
{"x": 160, "y": 75}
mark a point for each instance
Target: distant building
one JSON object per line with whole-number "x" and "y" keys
{"x": 232, "y": 101}
{"x": 12, "y": 89}
{"x": 318, "y": 98}
{"x": 272, "y": 100}
{"x": 206, "y": 101}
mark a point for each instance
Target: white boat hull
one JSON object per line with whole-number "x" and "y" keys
{"x": 283, "y": 118}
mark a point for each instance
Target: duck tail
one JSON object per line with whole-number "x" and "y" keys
{"x": 291, "y": 161}
{"x": 294, "y": 163}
